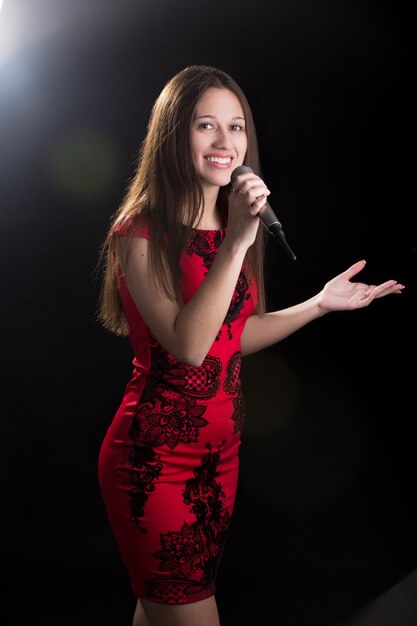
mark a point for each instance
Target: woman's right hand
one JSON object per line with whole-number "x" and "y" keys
{"x": 248, "y": 196}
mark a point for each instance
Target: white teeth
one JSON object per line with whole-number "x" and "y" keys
{"x": 221, "y": 160}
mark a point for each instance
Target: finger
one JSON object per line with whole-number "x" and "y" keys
{"x": 383, "y": 286}
{"x": 257, "y": 205}
{"x": 254, "y": 190}
{"x": 390, "y": 286}
{"x": 246, "y": 181}
{"x": 248, "y": 191}
{"x": 384, "y": 289}
{"x": 256, "y": 196}
{"x": 244, "y": 178}
{"x": 353, "y": 269}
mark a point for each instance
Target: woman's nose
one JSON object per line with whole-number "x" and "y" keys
{"x": 222, "y": 138}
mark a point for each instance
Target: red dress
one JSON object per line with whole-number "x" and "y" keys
{"x": 168, "y": 465}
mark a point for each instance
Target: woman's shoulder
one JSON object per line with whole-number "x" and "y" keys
{"x": 133, "y": 226}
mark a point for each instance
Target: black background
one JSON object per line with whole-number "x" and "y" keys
{"x": 325, "y": 517}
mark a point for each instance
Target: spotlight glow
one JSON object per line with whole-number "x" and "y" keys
{"x": 21, "y": 26}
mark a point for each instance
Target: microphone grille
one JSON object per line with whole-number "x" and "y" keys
{"x": 240, "y": 169}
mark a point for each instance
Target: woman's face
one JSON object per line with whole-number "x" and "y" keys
{"x": 218, "y": 136}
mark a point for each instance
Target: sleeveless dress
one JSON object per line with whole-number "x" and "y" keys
{"x": 168, "y": 464}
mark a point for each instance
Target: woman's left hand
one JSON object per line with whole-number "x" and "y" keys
{"x": 341, "y": 294}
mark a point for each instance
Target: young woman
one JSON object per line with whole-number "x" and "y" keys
{"x": 183, "y": 279}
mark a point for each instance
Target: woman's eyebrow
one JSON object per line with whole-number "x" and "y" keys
{"x": 213, "y": 117}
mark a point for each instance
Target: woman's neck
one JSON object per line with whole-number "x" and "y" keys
{"x": 210, "y": 218}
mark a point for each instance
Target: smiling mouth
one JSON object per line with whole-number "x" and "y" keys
{"x": 220, "y": 160}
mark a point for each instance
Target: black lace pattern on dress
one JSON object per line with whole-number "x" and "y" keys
{"x": 232, "y": 386}
{"x": 201, "y": 382}
{"x": 205, "y": 243}
{"x": 168, "y": 415}
{"x": 190, "y": 557}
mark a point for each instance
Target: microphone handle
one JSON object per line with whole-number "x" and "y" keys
{"x": 276, "y": 230}
{"x": 274, "y": 227}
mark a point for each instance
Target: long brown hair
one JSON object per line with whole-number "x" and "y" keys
{"x": 166, "y": 191}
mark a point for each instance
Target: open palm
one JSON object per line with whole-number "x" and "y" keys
{"x": 340, "y": 293}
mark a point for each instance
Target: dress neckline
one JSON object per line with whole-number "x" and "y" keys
{"x": 210, "y": 230}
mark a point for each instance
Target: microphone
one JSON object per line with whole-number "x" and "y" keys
{"x": 267, "y": 215}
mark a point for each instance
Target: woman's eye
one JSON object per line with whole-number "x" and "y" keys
{"x": 211, "y": 126}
